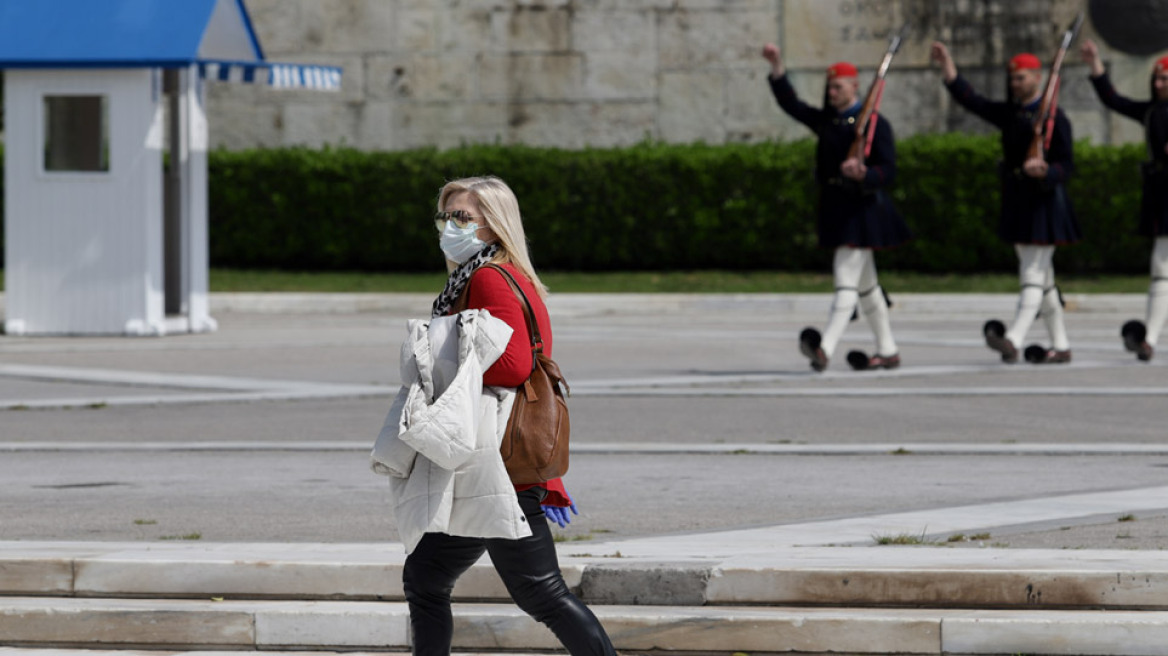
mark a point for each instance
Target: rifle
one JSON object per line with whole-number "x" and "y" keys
{"x": 866, "y": 120}
{"x": 1048, "y": 107}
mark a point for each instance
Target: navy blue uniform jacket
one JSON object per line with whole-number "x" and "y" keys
{"x": 1154, "y": 116}
{"x": 851, "y": 213}
{"x": 1034, "y": 211}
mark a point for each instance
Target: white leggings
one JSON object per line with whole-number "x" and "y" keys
{"x": 1158, "y": 291}
{"x": 1039, "y": 297}
{"x": 854, "y": 270}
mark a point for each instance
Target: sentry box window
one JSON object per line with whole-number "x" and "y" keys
{"x": 77, "y": 133}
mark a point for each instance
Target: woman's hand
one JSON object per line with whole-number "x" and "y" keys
{"x": 558, "y": 515}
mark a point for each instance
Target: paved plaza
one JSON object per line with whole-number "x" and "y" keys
{"x": 692, "y": 416}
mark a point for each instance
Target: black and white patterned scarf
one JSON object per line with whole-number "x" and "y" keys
{"x": 460, "y": 277}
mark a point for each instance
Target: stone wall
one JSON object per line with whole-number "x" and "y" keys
{"x": 575, "y": 73}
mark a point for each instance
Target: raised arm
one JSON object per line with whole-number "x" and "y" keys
{"x": 940, "y": 54}
{"x": 1103, "y": 87}
{"x": 997, "y": 113}
{"x": 784, "y": 93}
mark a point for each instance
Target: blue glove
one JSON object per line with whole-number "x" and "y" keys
{"x": 560, "y": 515}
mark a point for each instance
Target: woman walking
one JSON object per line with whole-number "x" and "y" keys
{"x": 480, "y": 509}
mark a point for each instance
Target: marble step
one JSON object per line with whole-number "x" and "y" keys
{"x": 56, "y": 651}
{"x": 174, "y": 624}
{"x": 838, "y": 577}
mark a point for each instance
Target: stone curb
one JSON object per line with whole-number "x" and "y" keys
{"x": 381, "y": 625}
{"x": 52, "y": 651}
{"x": 637, "y": 448}
{"x": 816, "y": 576}
{"x": 592, "y": 304}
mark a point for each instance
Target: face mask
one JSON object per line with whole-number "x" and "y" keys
{"x": 460, "y": 244}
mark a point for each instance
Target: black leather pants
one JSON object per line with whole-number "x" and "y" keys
{"x": 530, "y": 570}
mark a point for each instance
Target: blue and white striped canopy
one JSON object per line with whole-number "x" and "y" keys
{"x": 217, "y": 35}
{"x": 279, "y": 76}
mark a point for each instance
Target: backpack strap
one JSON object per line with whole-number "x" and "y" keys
{"x": 528, "y": 313}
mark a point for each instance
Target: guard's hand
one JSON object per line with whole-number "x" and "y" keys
{"x": 939, "y": 53}
{"x": 1090, "y": 53}
{"x": 854, "y": 169}
{"x": 772, "y": 53}
{"x": 559, "y": 515}
{"x": 1035, "y": 167}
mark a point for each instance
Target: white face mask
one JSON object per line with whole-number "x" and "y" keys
{"x": 460, "y": 244}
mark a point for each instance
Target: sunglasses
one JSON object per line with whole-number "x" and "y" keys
{"x": 461, "y": 218}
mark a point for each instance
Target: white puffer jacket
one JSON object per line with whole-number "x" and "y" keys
{"x": 440, "y": 441}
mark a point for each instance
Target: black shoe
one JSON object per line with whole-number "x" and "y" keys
{"x": 809, "y": 346}
{"x": 1035, "y": 354}
{"x": 1135, "y": 335}
{"x": 995, "y": 337}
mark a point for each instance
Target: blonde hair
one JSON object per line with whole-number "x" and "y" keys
{"x": 500, "y": 209}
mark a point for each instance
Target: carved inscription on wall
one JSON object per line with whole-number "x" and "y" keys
{"x": 818, "y": 34}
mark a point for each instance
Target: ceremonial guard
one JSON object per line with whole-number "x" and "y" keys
{"x": 1137, "y": 336}
{"x": 1036, "y": 215}
{"x": 856, "y": 214}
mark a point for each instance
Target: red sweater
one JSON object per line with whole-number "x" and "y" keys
{"x": 489, "y": 291}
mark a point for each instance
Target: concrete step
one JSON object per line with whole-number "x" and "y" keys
{"x": 174, "y": 624}
{"x": 839, "y": 577}
{"x": 56, "y": 651}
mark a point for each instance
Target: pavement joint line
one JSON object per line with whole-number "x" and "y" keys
{"x": 229, "y": 389}
{"x": 615, "y": 448}
{"x": 876, "y": 391}
{"x": 861, "y": 530}
{"x": 321, "y": 392}
{"x": 920, "y": 371}
{"x": 743, "y": 546}
{"x": 151, "y": 379}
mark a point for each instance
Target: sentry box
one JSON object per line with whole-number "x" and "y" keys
{"x": 105, "y": 158}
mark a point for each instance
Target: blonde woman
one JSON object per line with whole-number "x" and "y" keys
{"x": 479, "y": 222}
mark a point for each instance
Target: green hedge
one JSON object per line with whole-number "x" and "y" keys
{"x": 646, "y": 207}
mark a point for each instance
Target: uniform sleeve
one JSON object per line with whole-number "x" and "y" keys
{"x": 790, "y": 102}
{"x": 993, "y": 111}
{"x": 490, "y": 291}
{"x": 1061, "y": 156}
{"x": 881, "y": 160}
{"x": 1115, "y": 102}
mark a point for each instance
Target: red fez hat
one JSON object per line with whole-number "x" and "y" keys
{"x": 841, "y": 69}
{"x": 1025, "y": 61}
{"x": 1161, "y": 65}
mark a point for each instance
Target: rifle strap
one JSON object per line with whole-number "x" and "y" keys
{"x": 872, "y": 122}
{"x": 1051, "y": 116}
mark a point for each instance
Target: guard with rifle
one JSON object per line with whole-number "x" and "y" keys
{"x": 1037, "y": 160}
{"x": 855, "y": 164}
{"x": 1138, "y": 336}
